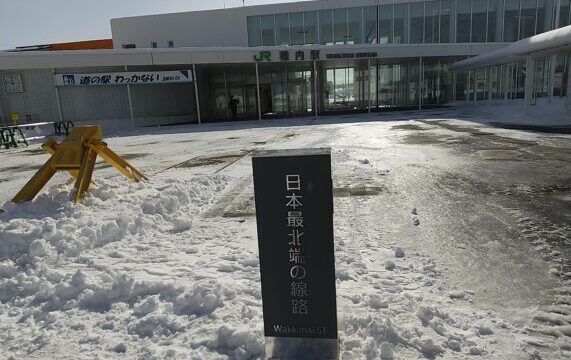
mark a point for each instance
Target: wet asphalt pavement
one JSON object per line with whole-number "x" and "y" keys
{"x": 502, "y": 218}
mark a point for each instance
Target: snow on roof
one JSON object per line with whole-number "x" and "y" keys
{"x": 558, "y": 40}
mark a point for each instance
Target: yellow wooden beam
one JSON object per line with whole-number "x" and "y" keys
{"x": 36, "y": 183}
{"x": 85, "y": 173}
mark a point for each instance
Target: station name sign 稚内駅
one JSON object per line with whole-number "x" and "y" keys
{"x": 123, "y": 78}
{"x": 313, "y": 55}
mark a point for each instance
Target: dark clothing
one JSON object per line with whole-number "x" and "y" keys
{"x": 233, "y": 106}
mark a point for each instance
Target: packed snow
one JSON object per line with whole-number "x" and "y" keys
{"x": 168, "y": 269}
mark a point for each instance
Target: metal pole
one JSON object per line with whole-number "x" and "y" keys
{"x": 528, "y": 85}
{"x": 130, "y": 104}
{"x": 316, "y": 99}
{"x": 195, "y": 81}
{"x": 553, "y": 58}
{"x": 59, "y": 109}
{"x": 568, "y": 103}
{"x": 420, "y": 83}
{"x": 551, "y": 78}
{"x": 226, "y": 94}
{"x": 454, "y": 79}
{"x": 490, "y": 85}
{"x": 475, "y": 87}
{"x": 507, "y": 83}
{"x": 258, "y": 92}
{"x": 369, "y": 86}
{"x": 499, "y": 82}
{"x": 467, "y": 86}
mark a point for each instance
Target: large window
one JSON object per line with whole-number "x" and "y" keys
{"x": 310, "y": 27}
{"x": 447, "y": 21}
{"x": 495, "y": 20}
{"x": 564, "y": 13}
{"x": 463, "y": 21}
{"x": 282, "y": 29}
{"x": 296, "y": 28}
{"x": 400, "y": 35}
{"x": 254, "y": 34}
{"x": 431, "y": 22}
{"x": 416, "y": 23}
{"x": 355, "y": 26}
{"x": 443, "y": 21}
{"x": 268, "y": 31}
{"x": 527, "y": 18}
{"x": 386, "y": 87}
{"x": 339, "y": 26}
{"x": 511, "y": 20}
{"x": 544, "y": 15}
{"x": 370, "y": 24}
{"x": 339, "y": 89}
{"x": 385, "y": 24}
{"x": 326, "y": 27}
{"x": 479, "y": 21}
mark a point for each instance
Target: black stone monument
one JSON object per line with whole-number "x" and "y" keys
{"x": 294, "y": 211}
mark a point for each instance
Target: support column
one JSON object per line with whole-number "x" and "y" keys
{"x": 507, "y": 77}
{"x": 528, "y": 86}
{"x": 454, "y": 76}
{"x": 195, "y": 81}
{"x": 59, "y": 109}
{"x": 130, "y": 104}
{"x": 468, "y": 86}
{"x": 226, "y": 95}
{"x": 475, "y": 87}
{"x": 553, "y": 58}
{"x": 568, "y": 102}
{"x": 551, "y": 78}
{"x": 369, "y": 85}
{"x": 315, "y": 86}
{"x": 490, "y": 86}
{"x": 258, "y": 91}
{"x": 420, "y": 73}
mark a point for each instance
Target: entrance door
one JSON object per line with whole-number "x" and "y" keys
{"x": 300, "y": 97}
{"x": 266, "y": 100}
{"x": 238, "y": 93}
{"x": 279, "y": 99}
{"x": 251, "y": 101}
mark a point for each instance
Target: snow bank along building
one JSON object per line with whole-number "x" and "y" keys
{"x": 298, "y": 59}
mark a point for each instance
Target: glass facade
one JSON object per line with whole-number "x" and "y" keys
{"x": 360, "y": 84}
{"x": 416, "y": 23}
{"x": 444, "y": 21}
{"x": 370, "y": 24}
{"x": 386, "y": 24}
{"x": 479, "y": 21}
{"x": 310, "y": 27}
{"x": 326, "y": 27}
{"x": 464, "y": 21}
{"x": 400, "y": 35}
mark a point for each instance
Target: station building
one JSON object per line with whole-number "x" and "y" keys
{"x": 308, "y": 58}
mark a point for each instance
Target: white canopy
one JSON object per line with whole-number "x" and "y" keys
{"x": 555, "y": 41}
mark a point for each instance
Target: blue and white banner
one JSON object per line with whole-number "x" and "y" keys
{"x": 124, "y": 78}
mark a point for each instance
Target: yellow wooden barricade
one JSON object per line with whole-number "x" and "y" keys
{"x": 77, "y": 155}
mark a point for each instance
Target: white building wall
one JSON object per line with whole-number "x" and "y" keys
{"x": 37, "y": 100}
{"x": 104, "y": 105}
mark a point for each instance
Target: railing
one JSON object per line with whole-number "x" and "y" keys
{"x": 11, "y": 136}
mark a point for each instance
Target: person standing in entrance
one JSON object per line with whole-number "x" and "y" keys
{"x": 233, "y": 107}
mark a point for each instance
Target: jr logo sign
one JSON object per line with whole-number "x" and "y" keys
{"x": 263, "y": 56}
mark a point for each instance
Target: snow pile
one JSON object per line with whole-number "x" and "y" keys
{"x": 52, "y": 223}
